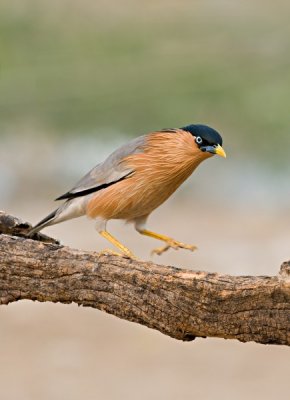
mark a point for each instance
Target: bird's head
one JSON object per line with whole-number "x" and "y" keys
{"x": 207, "y": 139}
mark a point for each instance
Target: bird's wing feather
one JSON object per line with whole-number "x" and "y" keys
{"x": 107, "y": 173}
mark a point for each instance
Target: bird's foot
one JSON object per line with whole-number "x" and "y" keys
{"x": 173, "y": 244}
{"x": 111, "y": 252}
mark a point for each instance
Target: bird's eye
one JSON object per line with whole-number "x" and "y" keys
{"x": 198, "y": 140}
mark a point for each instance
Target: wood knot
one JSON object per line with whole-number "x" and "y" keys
{"x": 10, "y": 225}
{"x": 284, "y": 273}
{"x": 285, "y": 269}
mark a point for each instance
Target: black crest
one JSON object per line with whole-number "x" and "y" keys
{"x": 208, "y": 135}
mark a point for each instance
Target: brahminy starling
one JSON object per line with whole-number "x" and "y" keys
{"x": 136, "y": 179}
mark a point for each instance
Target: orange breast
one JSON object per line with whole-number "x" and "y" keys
{"x": 168, "y": 160}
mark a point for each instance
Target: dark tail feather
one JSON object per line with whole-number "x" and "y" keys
{"x": 44, "y": 222}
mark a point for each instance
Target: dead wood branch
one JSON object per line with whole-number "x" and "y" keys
{"x": 180, "y": 303}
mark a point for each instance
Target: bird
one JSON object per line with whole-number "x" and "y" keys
{"x": 136, "y": 179}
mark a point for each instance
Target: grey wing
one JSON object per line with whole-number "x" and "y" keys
{"x": 110, "y": 171}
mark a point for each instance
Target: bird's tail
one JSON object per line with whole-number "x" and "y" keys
{"x": 72, "y": 208}
{"x": 49, "y": 220}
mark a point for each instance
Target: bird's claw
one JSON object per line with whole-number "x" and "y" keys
{"x": 174, "y": 244}
{"x": 160, "y": 250}
{"x": 111, "y": 252}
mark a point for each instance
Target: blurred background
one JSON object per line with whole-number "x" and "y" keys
{"x": 77, "y": 79}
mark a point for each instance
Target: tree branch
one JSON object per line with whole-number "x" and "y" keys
{"x": 180, "y": 303}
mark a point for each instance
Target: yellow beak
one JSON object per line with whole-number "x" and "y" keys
{"x": 220, "y": 151}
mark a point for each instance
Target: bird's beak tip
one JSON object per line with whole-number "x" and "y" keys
{"x": 220, "y": 151}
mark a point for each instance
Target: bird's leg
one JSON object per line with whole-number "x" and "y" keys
{"x": 170, "y": 243}
{"x": 125, "y": 251}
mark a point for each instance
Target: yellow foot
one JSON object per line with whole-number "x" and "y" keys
{"x": 107, "y": 252}
{"x": 174, "y": 244}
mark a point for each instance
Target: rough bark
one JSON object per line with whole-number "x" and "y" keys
{"x": 178, "y": 302}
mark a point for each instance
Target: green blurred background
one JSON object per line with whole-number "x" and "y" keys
{"x": 77, "y": 79}
{"x": 71, "y": 67}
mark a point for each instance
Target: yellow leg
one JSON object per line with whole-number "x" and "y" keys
{"x": 125, "y": 251}
{"x": 170, "y": 243}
